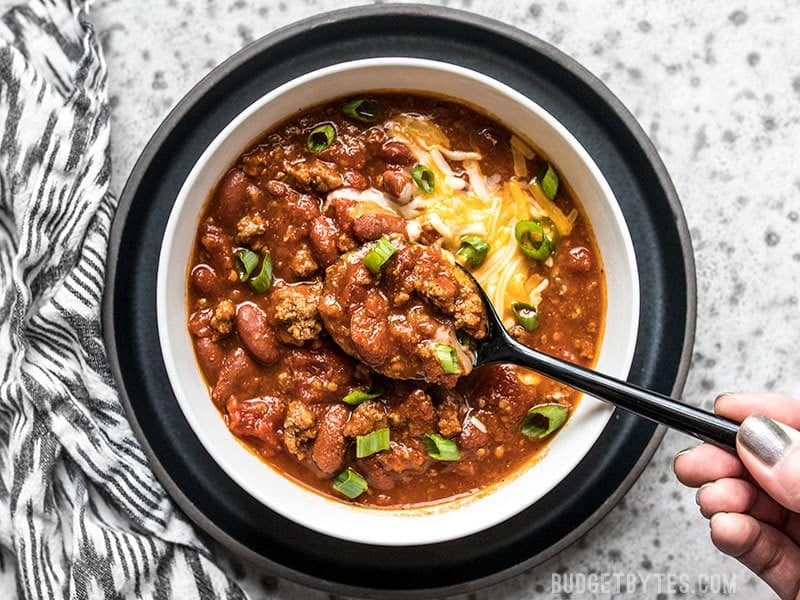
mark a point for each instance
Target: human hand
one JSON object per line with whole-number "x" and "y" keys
{"x": 753, "y": 499}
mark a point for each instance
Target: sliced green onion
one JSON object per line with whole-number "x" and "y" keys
{"x": 526, "y": 315}
{"x": 473, "y": 250}
{"x": 362, "y": 109}
{"x": 544, "y": 419}
{"x": 378, "y": 255}
{"x": 440, "y": 448}
{"x": 447, "y": 358}
{"x": 533, "y": 240}
{"x": 321, "y": 137}
{"x": 356, "y": 397}
{"x": 245, "y": 262}
{"x": 374, "y": 441}
{"x": 261, "y": 282}
{"x": 424, "y": 178}
{"x": 350, "y": 484}
{"x": 548, "y": 181}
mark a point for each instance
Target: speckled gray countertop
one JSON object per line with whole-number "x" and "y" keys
{"x": 717, "y": 87}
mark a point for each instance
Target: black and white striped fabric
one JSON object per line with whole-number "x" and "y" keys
{"x": 81, "y": 514}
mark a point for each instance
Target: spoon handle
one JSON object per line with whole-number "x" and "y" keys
{"x": 662, "y": 409}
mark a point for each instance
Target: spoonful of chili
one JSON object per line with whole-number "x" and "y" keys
{"x": 412, "y": 312}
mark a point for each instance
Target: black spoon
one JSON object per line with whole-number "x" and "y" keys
{"x": 499, "y": 347}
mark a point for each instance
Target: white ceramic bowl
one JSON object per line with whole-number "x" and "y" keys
{"x": 449, "y": 520}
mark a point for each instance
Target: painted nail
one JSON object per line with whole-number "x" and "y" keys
{"x": 764, "y": 438}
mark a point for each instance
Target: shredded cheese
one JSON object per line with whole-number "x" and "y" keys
{"x": 475, "y": 205}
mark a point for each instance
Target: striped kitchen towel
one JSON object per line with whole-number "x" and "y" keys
{"x": 81, "y": 514}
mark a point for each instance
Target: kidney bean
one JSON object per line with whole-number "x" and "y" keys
{"x": 238, "y": 376}
{"x": 204, "y": 280}
{"x": 397, "y": 153}
{"x": 394, "y": 182}
{"x": 256, "y": 334}
{"x": 209, "y": 355}
{"x": 233, "y": 197}
{"x": 322, "y": 236}
{"x": 330, "y": 446}
{"x": 372, "y": 225}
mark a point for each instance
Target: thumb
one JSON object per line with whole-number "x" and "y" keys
{"x": 771, "y": 453}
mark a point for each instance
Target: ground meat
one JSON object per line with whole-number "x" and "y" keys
{"x": 318, "y": 374}
{"x": 403, "y": 457}
{"x": 303, "y": 264}
{"x": 287, "y": 217}
{"x": 347, "y": 151}
{"x": 499, "y": 386}
{"x": 315, "y": 175}
{"x": 224, "y": 313}
{"x": 250, "y": 226}
{"x": 330, "y": 445}
{"x": 473, "y": 437}
{"x": 296, "y": 312}
{"x": 433, "y": 276}
{"x": 412, "y": 412}
{"x": 367, "y": 416}
{"x": 450, "y": 415}
{"x": 258, "y": 418}
{"x": 299, "y": 428}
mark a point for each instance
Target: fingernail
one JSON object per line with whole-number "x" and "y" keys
{"x": 764, "y": 438}
{"x": 720, "y": 396}
{"x": 678, "y": 455}
{"x": 697, "y": 495}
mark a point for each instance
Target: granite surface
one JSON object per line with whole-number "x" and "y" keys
{"x": 717, "y": 87}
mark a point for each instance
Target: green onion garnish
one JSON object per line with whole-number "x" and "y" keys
{"x": 473, "y": 250}
{"x": 526, "y": 315}
{"x": 320, "y": 137}
{"x": 261, "y": 282}
{"x": 548, "y": 181}
{"x": 350, "y": 484}
{"x": 440, "y": 448}
{"x": 533, "y": 240}
{"x": 424, "y": 178}
{"x": 356, "y": 397}
{"x": 447, "y": 358}
{"x": 374, "y": 441}
{"x": 245, "y": 262}
{"x": 362, "y": 109}
{"x": 378, "y": 255}
{"x": 544, "y": 419}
